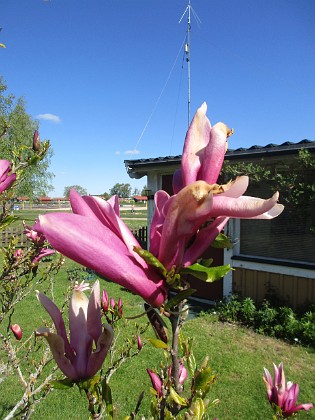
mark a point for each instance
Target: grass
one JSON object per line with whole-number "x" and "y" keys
{"x": 237, "y": 356}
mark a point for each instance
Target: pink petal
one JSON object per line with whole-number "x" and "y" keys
{"x": 160, "y": 199}
{"x": 99, "y": 209}
{"x": 177, "y": 182}
{"x": 93, "y": 245}
{"x": 197, "y": 138}
{"x": 236, "y": 188}
{"x": 245, "y": 207}
{"x": 56, "y": 344}
{"x": 203, "y": 240}
{"x": 94, "y": 319}
{"x": 55, "y": 315}
{"x": 213, "y": 155}
{"x": 4, "y": 169}
{"x": 97, "y": 358}
{"x": 7, "y": 182}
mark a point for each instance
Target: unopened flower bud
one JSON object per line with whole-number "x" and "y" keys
{"x": 17, "y": 331}
{"x": 105, "y": 301}
{"x": 36, "y": 141}
{"x": 112, "y": 303}
{"x": 140, "y": 345}
{"x": 120, "y": 307}
{"x": 156, "y": 382}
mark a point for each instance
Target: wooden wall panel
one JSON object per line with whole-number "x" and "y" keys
{"x": 256, "y": 284}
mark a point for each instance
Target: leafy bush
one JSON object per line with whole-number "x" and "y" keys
{"x": 280, "y": 322}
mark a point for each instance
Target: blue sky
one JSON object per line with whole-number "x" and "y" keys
{"x": 107, "y": 79}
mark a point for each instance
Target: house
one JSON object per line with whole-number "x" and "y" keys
{"x": 274, "y": 257}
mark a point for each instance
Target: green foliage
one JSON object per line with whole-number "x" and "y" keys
{"x": 294, "y": 180}
{"x": 78, "y": 188}
{"x": 281, "y": 322}
{"x": 16, "y": 133}
{"x": 122, "y": 190}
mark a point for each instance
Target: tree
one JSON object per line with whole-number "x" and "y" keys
{"x": 16, "y": 132}
{"x": 78, "y": 188}
{"x": 122, "y": 190}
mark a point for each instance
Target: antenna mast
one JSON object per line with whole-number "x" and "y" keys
{"x": 188, "y": 10}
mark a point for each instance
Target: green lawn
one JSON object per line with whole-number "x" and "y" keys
{"x": 237, "y": 356}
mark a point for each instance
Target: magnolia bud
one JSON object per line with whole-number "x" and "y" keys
{"x": 17, "y": 331}
{"x": 36, "y": 141}
{"x": 140, "y": 345}
{"x": 120, "y": 306}
{"x": 105, "y": 301}
{"x": 112, "y": 303}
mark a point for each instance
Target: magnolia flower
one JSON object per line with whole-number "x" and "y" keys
{"x": 281, "y": 394}
{"x": 97, "y": 238}
{"x": 185, "y": 225}
{"x": 6, "y": 177}
{"x": 17, "y": 331}
{"x": 84, "y": 354}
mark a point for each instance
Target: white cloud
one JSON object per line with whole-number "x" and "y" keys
{"x": 117, "y": 152}
{"x": 132, "y": 152}
{"x": 49, "y": 117}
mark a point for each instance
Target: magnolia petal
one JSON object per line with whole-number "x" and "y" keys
{"x": 197, "y": 138}
{"x": 78, "y": 321}
{"x": 7, "y": 182}
{"x": 203, "y": 240}
{"x": 97, "y": 358}
{"x": 55, "y": 315}
{"x": 244, "y": 207}
{"x": 4, "y": 169}
{"x": 94, "y": 322}
{"x": 236, "y": 188}
{"x": 56, "y": 344}
{"x": 213, "y": 155}
{"x": 160, "y": 198}
{"x": 177, "y": 181}
{"x": 93, "y": 245}
{"x": 305, "y": 407}
{"x": 114, "y": 202}
{"x": 104, "y": 211}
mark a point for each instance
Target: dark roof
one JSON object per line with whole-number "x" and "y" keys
{"x": 287, "y": 147}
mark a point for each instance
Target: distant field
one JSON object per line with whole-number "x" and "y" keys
{"x": 134, "y": 220}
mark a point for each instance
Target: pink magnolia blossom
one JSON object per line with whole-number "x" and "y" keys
{"x": 6, "y": 176}
{"x": 76, "y": 358}
{"x": 185, "y": 225}
{"x": 97, "y": 238}
{"x": 281, "y": 394}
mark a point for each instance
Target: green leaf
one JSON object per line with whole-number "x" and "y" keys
{"x": 7, "y": 221}
{"x": 177, "y": 398}
{"x": 191, "y": 364}
{"x": 197, "y": 409}
{"x": 222, "y": 241}
{"x": 150, "y": 259}
{"x": 62, "y": 383}
{"x": 203, "y": 379}
{"x": 158, "y": 344}
{"x": 207, "y": 274}
{"x": 2, "y": 46}
{"x": 174, "y": 301}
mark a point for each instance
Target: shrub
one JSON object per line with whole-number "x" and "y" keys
{"x": 280, "y": 322}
